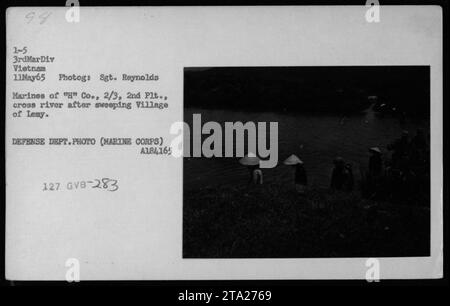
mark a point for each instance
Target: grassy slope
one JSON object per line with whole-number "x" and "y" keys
{"x": 274, "y": 221}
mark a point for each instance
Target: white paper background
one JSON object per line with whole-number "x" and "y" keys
{"x": 136, "y": 232}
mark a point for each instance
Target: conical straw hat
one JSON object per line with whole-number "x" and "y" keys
{"x": 249, "y": 160}
{"x": 375, "y": 149}
{"x": 292, "y": 160}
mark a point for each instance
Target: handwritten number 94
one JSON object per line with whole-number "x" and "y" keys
{"x": 41, "y": 17}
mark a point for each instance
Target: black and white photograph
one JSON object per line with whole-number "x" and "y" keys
{"x": 353, "y": 171}
{"x": 206, "y": 148}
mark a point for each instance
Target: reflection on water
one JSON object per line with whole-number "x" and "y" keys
{"x": 316, "y": 139}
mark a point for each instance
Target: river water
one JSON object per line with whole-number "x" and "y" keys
{"x": 316, "y": 138}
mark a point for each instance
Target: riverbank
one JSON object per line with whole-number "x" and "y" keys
{"x": 273, "y": 221}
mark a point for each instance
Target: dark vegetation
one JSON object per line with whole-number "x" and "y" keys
{"x": 315, "y": 89}
{"x": 273, "y": 221}
{"x": 401, "y": 89}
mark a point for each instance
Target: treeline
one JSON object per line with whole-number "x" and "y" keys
{"x": 313, "y": 89}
